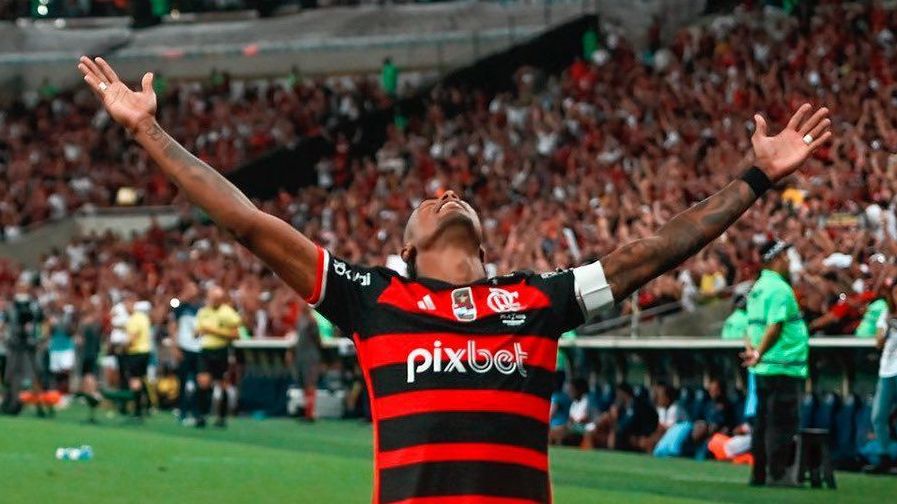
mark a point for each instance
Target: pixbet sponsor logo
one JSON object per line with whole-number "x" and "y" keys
{"x": 460, "y": 360}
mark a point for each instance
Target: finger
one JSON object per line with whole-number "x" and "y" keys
{"x": 147, "y": 82}
{"x": 821, "y": 128}
{"x": 107, "y": 70}
{"x": 761, "y": 126}
{"x": 798, "y": 116}
{"x": 94, "y": 84}
{"x": 85, "y": 71}
{"x": 821, "y": 140}
{"x": 94, "y": 69}
{"x": 813, "y": 121}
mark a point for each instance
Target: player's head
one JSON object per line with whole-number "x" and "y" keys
{"x": 215, "y": 296}
{"x": 773, "y": 255}
{"x": 447, "y": 216}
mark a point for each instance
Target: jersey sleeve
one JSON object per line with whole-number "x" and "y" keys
{"x": 576, "y": 294}
{"x": 343, "y": 290}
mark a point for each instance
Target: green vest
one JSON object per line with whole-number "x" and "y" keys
{"x": 736, "y": 325}
{"x": 867, "y": 327}
{"x": 772, "y": 301}
{"x": 589, "y": 44}
{"x": 325, "y": 328}
{"x": 389, "y": 79}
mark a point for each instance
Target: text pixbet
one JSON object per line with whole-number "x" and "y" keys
{"x": 441, "y": 359}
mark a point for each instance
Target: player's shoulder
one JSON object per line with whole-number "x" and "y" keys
{"x": 549, "y": 281}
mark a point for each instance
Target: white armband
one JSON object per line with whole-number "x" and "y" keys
{"x": 591, "y": 289}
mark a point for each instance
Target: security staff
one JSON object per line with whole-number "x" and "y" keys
{"x": 139, "y": 331}
{"x": 779, "y": 345}
{"x": 217, "y": 323}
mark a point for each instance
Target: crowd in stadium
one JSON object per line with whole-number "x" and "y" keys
{"x": 586, "y": 161}
{"x": 60, "y": 153}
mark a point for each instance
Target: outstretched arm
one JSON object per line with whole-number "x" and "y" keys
{"x": 286, "y": 251}
{"x": 634, "y": 264}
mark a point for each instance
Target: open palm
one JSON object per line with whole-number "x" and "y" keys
{"x": 779, "y": 156}
{"x": 128, "y": 108}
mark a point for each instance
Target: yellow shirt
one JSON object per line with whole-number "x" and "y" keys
{"x": 224, "y": 317}
{"x": 138, "y": 329}
{"x": 794, "y": 196}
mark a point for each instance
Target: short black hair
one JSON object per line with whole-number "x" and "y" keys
{"x": 580, "y": 385}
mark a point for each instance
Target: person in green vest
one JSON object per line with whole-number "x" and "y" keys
{"x": 589, "y": 43}
{"x": 160, "y": 84}
{"x": 325, "y": 328}
{"x": 47, "y": 89}
{"x": 389, "y": 77}
{"x": 868, "y": 327}
{"x": 778, "y": 351}
{"x": 735, "y": 326}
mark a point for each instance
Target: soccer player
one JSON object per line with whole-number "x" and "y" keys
{"x": 90, "y": 340}
{"x": 459, "y": 367}
{"x": 217, "y": 324}
{"x": 308, "y": 359}
{"x": 183, "y": 313}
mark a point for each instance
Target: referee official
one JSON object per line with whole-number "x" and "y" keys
{"x": 779, "y": 345}
{"x": 217, "y": 324}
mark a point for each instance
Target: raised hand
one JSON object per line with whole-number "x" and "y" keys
{"x": 128, "y": 108}
{"x": 779, "y": 156}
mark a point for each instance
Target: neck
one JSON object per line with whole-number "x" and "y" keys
{"x": 451, "y": 261}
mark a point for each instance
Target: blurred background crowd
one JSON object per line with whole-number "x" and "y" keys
{"x": 588, "y": 160}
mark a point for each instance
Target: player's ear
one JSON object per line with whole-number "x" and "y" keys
{"x": 408, "y": 252}
{"x": 483, "y": 257}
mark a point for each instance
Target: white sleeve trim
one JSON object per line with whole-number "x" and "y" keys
{"x": 325, "y": 269}
{"x": 591, "y": 289}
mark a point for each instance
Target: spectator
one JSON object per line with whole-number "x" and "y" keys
{"x": 886, "y": 391}
{"x": 580, "y": 423}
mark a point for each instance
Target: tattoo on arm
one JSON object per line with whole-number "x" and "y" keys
{"x": 635, "y": 264}
{"x": 157, "y": 134}
{"x": 202, "y": 184}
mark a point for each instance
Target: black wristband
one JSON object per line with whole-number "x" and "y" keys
{"x": 758, "y": 180}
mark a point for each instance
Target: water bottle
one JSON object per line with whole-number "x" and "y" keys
{"x": 84, "y": 452}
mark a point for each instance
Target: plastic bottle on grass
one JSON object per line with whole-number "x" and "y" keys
{"x": 84, "y": 452}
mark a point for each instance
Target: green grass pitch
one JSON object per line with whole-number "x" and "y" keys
{"x": 280, "y": 461}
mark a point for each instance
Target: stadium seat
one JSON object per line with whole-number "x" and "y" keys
{"x": 604, "y": 397}
{"x": 824, "y": 414}
{"x": 699, "y": 405}
{"x": 844, "y": 438}
{"x": 807, "y": 411}
{"x": 686, "y": 398}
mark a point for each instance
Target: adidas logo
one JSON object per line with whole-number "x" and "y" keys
{"x": 426, "y": 303}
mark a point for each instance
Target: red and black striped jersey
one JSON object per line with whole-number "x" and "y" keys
{"x": 459, "y": 377}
